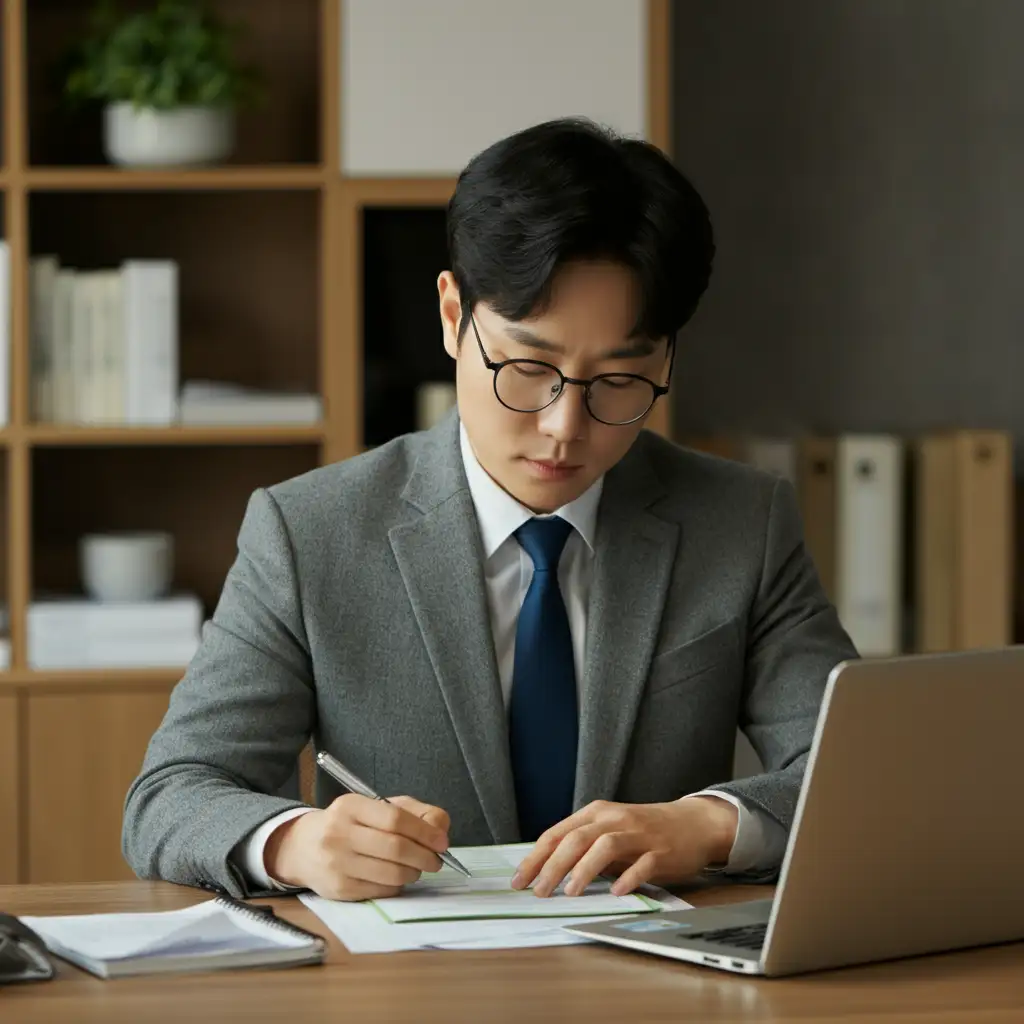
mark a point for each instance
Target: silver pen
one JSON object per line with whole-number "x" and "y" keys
{"x": 340, "y": 773}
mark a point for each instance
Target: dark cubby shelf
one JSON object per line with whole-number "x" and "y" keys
{"x": 198, "y": 495}
{"x": 404, "y": 251}
{"x": 248, "y": 309}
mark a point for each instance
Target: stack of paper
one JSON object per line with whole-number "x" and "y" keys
{"x": 213, "y": 403}
{"x": 447, "y": 911}
{"x": 79, "y": 633}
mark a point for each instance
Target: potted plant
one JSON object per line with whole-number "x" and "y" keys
{"x": 168, "y": 79}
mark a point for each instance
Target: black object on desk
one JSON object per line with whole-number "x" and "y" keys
{"x": 23, "y": 955}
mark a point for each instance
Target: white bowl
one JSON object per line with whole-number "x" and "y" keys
{"x": 126, "y": 566}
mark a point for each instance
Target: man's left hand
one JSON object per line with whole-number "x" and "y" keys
{"x": 663, "y": 843}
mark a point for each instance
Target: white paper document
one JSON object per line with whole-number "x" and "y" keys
{"x": 447, "y": 911}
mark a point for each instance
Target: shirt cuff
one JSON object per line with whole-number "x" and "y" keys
{"x": 760, "y": 841}
{"x": 249, "y": 854}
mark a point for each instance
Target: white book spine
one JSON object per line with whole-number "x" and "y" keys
{"x": 81, "y": 348}
{"x": 63, "y": 376}
{"x": 98, "y": 347}
{"x": 151, "y": 341}
{"x": 5, "y": 332}
{"x": 173, "y": 615}
{"x": 300, "y": 409}
{"x": 115, "y": 380}
{"x": 42, "y": 285}
{"x": 103, "y": 405}
{"x": 869, "y": 519}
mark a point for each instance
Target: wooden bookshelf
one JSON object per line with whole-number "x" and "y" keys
{"x": 77, "y": 681}
{"x": 82, "y": 179}
{"x": 271, "y": 253}
{"x": 252, "y": 240}
{"x": 57, "y": 436}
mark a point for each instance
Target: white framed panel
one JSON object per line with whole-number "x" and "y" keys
{"x": 426, "y": 84}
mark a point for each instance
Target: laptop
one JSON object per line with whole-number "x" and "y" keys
{"x": 908, "y": 835}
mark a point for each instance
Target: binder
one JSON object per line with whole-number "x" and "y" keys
{"x": 775, "y": 455}
{"x": 816, "y": 489}
{"x": 720, "y": 445}
{"x": 869, "y": 525}
{"x": 964, "y": 545}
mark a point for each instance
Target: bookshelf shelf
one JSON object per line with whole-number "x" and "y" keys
{"x": 105, "y": 679}
{"x": 398, "y": 191}
{"x": 56, "y": 436}
{"x": 73, "y": 179}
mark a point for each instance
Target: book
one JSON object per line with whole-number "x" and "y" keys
{"x": 869, "y": 529}
{"x": 213, "y": 403}
{"x": 964, "y": 547}
{"x": 76, "y": 632}
{"x": 42, "y": 284}
{"x": 722, "y": 446}
{"x": 816, "y": 488}
{"x": 149, "y": 327}
{"x": 62, "y": 371}
{"x": 775, "y": 455}
{"x": 215, "y": 934}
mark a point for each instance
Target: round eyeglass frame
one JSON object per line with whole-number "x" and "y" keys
{"x": 657, "y": 389}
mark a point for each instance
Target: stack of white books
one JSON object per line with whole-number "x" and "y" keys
{"x": 79, "y": 633}
{"x": 212, "y": 403}
{"x": 104, "y": 343}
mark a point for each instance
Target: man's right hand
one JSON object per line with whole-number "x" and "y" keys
{"x": 358, "y": 848}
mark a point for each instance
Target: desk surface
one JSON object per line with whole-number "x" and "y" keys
{"x": 564, "y": 984}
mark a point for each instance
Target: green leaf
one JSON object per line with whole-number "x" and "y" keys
{"x": 176, "y": 53}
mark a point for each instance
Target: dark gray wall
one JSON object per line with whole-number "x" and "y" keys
{"x": 864, "y": 165}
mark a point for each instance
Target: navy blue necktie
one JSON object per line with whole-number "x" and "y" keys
{"x": 543, "y": 719}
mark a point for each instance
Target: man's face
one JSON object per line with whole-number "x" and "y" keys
{"x": 546, "y": 459}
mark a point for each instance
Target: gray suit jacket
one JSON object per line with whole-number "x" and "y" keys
{"x": 356, "y": 613}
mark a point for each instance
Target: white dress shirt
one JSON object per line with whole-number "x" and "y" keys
{"x": 760, "y": 839}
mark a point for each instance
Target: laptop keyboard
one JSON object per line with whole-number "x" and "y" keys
{"x": 748, "y": 936}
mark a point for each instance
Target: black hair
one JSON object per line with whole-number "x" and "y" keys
{"x": 566, "y": 190}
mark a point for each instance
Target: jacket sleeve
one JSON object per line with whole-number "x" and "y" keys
{"x": 235, "y": 725}
{"x": 794, "y": 640}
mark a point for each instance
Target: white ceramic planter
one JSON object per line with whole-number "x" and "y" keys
{"x": 186, "y": 136}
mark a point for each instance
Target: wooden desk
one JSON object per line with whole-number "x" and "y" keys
{"x": 564, "y": 984}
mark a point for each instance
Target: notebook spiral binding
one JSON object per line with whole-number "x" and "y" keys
{"x": 270, "y": 918}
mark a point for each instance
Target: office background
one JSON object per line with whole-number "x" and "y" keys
{"x": 859, "y": 157}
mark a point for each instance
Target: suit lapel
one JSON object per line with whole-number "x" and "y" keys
{"x": 634, "y": 556}
{"x": 440, "y": 559}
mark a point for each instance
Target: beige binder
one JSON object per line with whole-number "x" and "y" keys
{"x": 816, "y": 486}
{"x": 722, "y": 445}
{"x": 964, "y": 546}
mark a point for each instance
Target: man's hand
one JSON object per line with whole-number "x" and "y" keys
{"x": 358, "y": 848}
{"x": 662, "y": 843}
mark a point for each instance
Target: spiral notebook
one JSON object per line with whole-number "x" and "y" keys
{"x": 215, "y": 934}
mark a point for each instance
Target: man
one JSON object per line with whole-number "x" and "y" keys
{"x": 540, "y": 620}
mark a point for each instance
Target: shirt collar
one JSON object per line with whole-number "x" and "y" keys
{"x": 500, "y": 515}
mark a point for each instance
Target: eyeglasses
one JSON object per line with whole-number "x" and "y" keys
{"x": 616, "y": 399}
